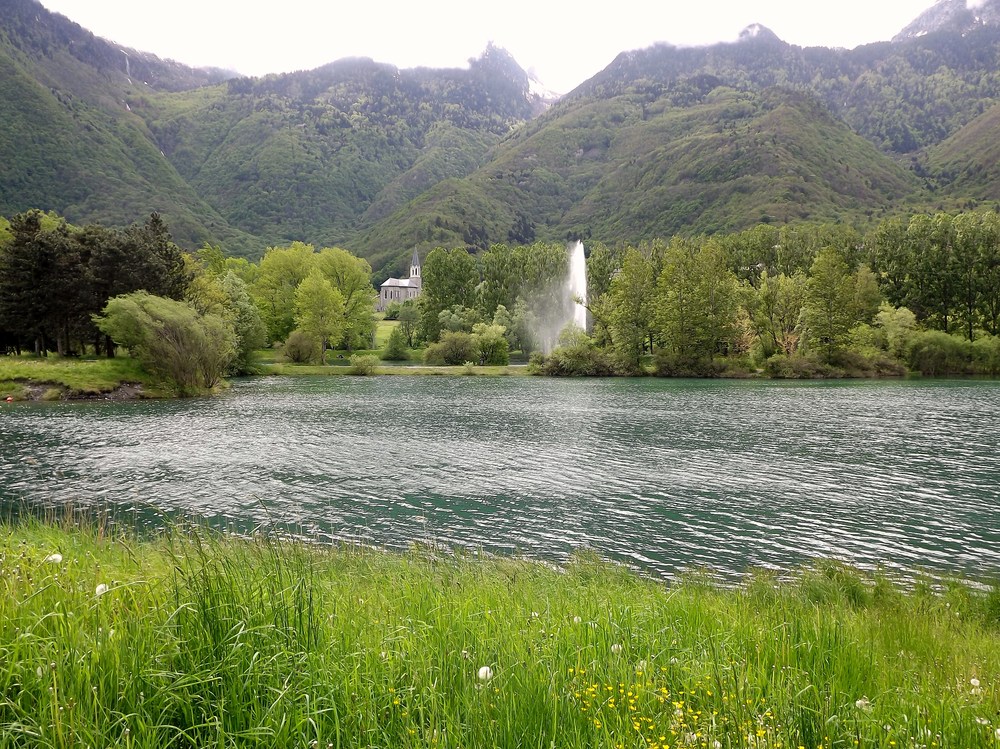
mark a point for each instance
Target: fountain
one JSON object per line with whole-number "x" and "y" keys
{"x": 576, "y": 285}
{"x": 565, "y": 308}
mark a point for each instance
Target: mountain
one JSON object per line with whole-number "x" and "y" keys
{"x": 955, "y": 16}
{"x": 378, "y": 159}
{"x": 687, "y": 140}
{"x": 101, "y": 133}
{"x": 968, "y": 162}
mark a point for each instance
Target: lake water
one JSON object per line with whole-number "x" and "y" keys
{"x": 664, "y": 475}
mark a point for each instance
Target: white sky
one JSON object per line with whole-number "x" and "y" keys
{"x": 565, "y": 43}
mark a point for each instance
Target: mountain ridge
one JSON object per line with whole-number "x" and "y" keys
{"x": 381, "y": 159}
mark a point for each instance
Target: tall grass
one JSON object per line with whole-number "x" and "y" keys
{"x": 212, "y": 641}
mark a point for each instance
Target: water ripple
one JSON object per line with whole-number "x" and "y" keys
{"x": 661, "y": 475}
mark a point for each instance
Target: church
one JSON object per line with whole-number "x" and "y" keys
{"x": 401, "y": 289}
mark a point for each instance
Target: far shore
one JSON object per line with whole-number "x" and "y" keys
{"x": 73, "y": 379}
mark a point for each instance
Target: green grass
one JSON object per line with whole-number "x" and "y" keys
{"x": 383, "y": 328}
{"x": 22, "y": 377}
{"x": 206, "y": 641}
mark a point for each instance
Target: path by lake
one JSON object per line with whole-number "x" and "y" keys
{"x": 661, "y": 474}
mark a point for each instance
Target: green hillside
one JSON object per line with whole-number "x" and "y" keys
{"x": 314, "y": 154}
{"x": 624, "y": 170}
{"x": 367, "y": 156}
{"x": 969, "y": 161}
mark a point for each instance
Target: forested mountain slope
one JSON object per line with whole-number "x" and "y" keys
{"x": 358, "y": 153}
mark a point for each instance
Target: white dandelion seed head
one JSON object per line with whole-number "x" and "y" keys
{"x": 974, "y": 682}
{"x": 54, "y": 558}
{"x": 485, "y": 673}
{"x": 100, "y": 590}
{"x": 577, "y": 620}
{"x": 982, "y": 721}
{"x": 863, "y": 704}
{"x": 616, "y": 648}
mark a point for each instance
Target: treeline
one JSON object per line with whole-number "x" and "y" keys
{"x": 920, "y": 293}
{"x": 189, "y": 318}
{"x": 54, "y": 278}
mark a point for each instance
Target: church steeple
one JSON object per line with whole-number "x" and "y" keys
{"x": 415, "y": 264}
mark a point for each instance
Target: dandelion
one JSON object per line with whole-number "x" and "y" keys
{"x": 577, "y": 620}
{"x": 100, "y": 590}
{"x": 997, "y": 733}
{"x": 982, "y": 721}
{"x": 616, "y": 648}
{"x": 974, "y": 682}
{"x": 485, "y": 673}
{"x": 54, "y": 558}
{"x": 863, "y": 704}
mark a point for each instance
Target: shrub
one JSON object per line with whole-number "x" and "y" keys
{"x": 986, "y": 355}
{"x": 669, "y": 364}
{"x": 395, "y": 346}
{"x": 188, "y": 350}
{"x": 798, "y": 367}
{"x": 301, "y": 348}
{"x": 579, "y": 359}
{"x": 935, "y": 353}
{"x": 453, "y": 349}
{"x": 363, "y": 364}
{"x": 392, "y": 311}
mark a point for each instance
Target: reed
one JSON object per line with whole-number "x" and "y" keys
{"x": 192, "y": 640}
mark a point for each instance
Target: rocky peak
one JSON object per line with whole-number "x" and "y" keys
{"x": 960, "y": 16}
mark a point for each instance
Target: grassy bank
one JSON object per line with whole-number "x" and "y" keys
{"x": 54, "y": 377}
{"x": 185, "y": 642}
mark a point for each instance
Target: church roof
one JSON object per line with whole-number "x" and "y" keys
{"x": 400, "y": 282}
{"x": 415, "y": 260}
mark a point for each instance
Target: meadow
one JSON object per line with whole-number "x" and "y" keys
{"x": 191, "y": 639}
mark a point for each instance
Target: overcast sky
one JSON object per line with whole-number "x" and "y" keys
{"x": 565, "y": 43}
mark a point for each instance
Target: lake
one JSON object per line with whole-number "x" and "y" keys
{"x": 664, "y": 475}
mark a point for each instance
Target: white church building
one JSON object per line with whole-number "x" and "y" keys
{"x": 401, "y": 289}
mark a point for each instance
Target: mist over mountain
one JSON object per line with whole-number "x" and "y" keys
{"x": 381, "y": 160}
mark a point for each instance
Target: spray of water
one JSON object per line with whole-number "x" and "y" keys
{"x": 576, "y": 284}
{"x": 568, "y": 308}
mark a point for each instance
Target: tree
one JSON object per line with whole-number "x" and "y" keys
{"x": 449, "y": 278}
{"x": 190, "y": 351}
{"x": 828, "y": 313}
{"x": 776, "y": 309}
{"x": 491, "y": 343}
{"x": 351, "y": 276}
{"x": 630, "y": 317}
{"x": 282, "y": 269}
{"x": 697, "y": 301}
{"x": 409, "y": 317}
{"x": 319, "y": 311}
{"x": 244, "y": 317}
{"x": 395, "y": 346}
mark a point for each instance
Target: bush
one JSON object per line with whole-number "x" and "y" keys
{"x": 986, "y": 355}
{"x": 188, "y": 350}
{"x": 454, "y": 348}
{"x": 392, "y": 311}
{"x": 363, "y": 364}
{"x": 301, "y": 348}
{"x": 798, "y": 367}
{"x": 669, "y": 364}
{"x": 395, "y": 347}
{"x": 578, "y": 359}
{"x": 934, "y": 353}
